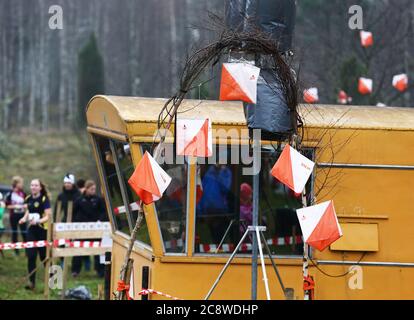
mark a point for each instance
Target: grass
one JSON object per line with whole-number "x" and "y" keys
{"x": 13, "y": 272}
{"x": 48, "y": 157}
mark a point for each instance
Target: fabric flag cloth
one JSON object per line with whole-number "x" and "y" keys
{"x": 365, "y": 85}
{"x": 194, "y": 137}
{"x": 293, "y": 169}
{"x": 239, "y": 82}
{"x": 400, "y": 82}
{"x": 367, "y": 39}
{"x": 149, "y": 180}
{"x": 311, "y": 95}
{"x": 319, "y": 225}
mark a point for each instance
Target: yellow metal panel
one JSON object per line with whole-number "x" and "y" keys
{"x": 357, "y": 237}
{"x": 113, "y": 112}
{"x": 101, "y": 113}
{"x": 367, "y": 117}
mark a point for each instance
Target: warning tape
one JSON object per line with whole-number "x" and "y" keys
{"x": 229, "y": 247}
{"x": 134, "y": 206}
{"x": 173, "y": 243}
{"x": 151, "y": 291}
{"x": 55, "y": 244}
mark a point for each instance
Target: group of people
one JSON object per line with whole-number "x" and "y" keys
{"x": 30, "y": 214}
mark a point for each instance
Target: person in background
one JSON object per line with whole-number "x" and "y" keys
{"x": 37, "y": 214}
{"x": 89, "y": 207}
{"x": 246, "y": 206}
{"x": 15, "y": 205}
{"x": 80, "y": 184}
{"x": 69, "y": 193}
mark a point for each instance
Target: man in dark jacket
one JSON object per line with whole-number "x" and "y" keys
{"x": 89, "y": 208}
{"x": 70, "y": 193}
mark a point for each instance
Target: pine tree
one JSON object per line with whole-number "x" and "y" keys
{"x": 90, "y": 78}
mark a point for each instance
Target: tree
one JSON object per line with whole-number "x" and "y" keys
{"x": 351, "y": 71}
{"x": 90, "y": 78}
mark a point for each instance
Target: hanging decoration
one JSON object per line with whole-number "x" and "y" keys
{"x": 194, "y": 137}
{"x": 293, "y": 169}
{"x": 311, "y": 95}
{"x": 319, "y": 225}
{"x": 367, "y": 38}
{"x": 365, "y": 86}
{"x": 400, "y": 82}
{"x": 149, "y": 180}
{"x": 239, "y": 82}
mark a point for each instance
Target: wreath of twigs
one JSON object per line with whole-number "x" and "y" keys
{"x": 253, "y": 42}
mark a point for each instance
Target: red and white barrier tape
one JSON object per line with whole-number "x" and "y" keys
{"x": 229, "y": 247}
{"x": 134, "y": 206}
{"x": 55, "y": 244}
{"x": 173, "y": 243}
{"x": 151, "y": 291}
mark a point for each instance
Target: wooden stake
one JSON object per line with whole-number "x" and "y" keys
{"x": 66, "y": 259}
{"x": 120, "y": 295}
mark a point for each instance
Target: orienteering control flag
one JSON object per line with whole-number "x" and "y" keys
{"x": 319, "y": 225}
{"x": 367, "y": 39}
{"x": 239, "y": 82}
{"x": 149, "y": 180}
{"x": 293, "y": 169}
{"x": 311, "y": 95}
{"x": 365, "y": 86}
{"x": 194, "y": 137}
{"x": 400, "y": 82}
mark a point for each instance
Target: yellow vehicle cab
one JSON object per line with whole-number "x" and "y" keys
{"x": 364, "y": 163}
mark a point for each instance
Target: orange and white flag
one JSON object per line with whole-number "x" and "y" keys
{"x": 365, "y": 85}
{"x": 319, "y": 225}
{"x": 311, "y": 95}
{"x": 194, "y": 138}
{"x": 239, "y": 82}
{"x": 342, "y": 97}
{"x": 293, "y": 169}
{"x": 367, "y": 39}
{"x": 149, "y": 180}
{"x": 400, "y": 82}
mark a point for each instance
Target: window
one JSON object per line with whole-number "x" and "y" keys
{"x": 112, "y": 183}
{"x": 172, "y": 207}
{"x": 224, "y": 209}
{"x": 115, "y": 157}
{"x": 126, "y": 167}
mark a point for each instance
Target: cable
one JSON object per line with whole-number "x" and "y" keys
{"x": 339, "y": 275}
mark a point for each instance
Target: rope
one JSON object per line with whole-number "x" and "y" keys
{"x": 339, "y": 275}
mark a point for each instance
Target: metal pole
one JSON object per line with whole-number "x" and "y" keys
{"x": 255, "y": 215}
{"x": 225, "y": 235}
{"x": 265, "y": 280}
{"x": 226, "y": 265}
{"x": 274, "y": 265}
